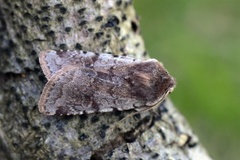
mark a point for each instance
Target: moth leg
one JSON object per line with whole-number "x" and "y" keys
{"x": 137, "y": 111}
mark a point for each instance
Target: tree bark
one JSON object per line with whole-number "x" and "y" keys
{"x": 28, "y": 27}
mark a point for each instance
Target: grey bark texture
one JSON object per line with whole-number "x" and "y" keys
{"x": 28, "y": 27}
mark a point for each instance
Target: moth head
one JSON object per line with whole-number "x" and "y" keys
{"x": 150, "y": 81}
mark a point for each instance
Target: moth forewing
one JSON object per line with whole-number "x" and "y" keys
{"x": 86, "y": 82}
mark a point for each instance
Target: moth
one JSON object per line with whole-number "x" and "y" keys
{"x": 87, "y": 82}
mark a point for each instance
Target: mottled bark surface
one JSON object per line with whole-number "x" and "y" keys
{"x": 28, "y": 27}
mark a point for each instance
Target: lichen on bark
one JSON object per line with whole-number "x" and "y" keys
{"x": 28, "y": 27}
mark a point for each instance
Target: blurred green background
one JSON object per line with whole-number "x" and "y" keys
{"x": 199, "y": 43}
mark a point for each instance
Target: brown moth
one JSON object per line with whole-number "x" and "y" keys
{"x": 86, "y": 82}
